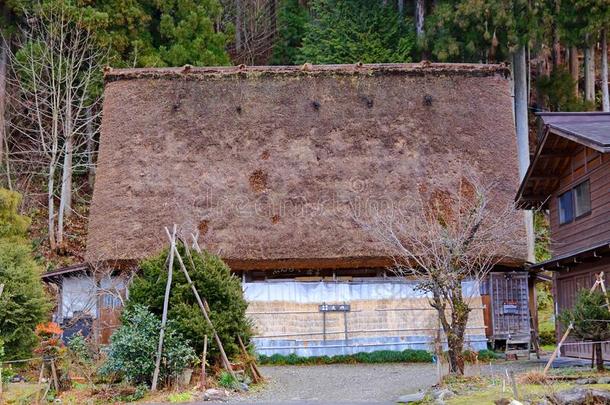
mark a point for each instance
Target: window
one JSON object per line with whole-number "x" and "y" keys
{"x": 575, "y": 203}
{"x": 582, "y": 199}
{"x": 566, "y": 207}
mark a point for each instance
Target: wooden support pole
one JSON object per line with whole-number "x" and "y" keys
{"x": 256, "y": 374}
{"x": 54, "y": 376}
{"x": 168, "y": 287}
{"x": 223, "y": 355}
{"x": 203, "y": 361}
{"x": 513, "y": 383}
{"x": 39, "y": 387}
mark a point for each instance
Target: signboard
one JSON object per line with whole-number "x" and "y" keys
{"x": 334, "y": 308}
{"x": 510, "y": 308}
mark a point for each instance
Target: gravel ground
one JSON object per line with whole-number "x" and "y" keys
{"x": 344, "y": 383}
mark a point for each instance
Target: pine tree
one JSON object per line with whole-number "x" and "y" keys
{"x": 350, "y": 31}
{"x": 292, "y": 20}
{"x": 23, "y": 303}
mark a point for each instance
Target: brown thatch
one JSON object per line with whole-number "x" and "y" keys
{"x": 268, "y": 163}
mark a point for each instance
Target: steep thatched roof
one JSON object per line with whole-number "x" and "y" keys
{"x": 268, "y": 163}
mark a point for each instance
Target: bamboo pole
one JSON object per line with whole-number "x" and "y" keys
{"x": 256, "y": 374}
{"x": 223, "y": 355}
{"x": 39, "y": 387}
{"x": 54, "y": 375}
{"x": 168, "y": 287}
{"x": 203, "y": 361}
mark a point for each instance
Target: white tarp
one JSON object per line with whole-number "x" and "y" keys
{"x": 78, "y": 294}
{"x": 305, "y": 292}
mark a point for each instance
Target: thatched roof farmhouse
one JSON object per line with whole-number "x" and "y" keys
{"x": 270, "y": 167}
{"x": 267, "y": 162}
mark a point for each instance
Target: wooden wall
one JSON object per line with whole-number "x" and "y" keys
{"x": 566, "y": 285}
{"x": 592, "y": 228}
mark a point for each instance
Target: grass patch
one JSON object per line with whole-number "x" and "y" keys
{"x": 381, "y": 356}
{"x": 532, "y": 386}
{"x": 178, "y": 397}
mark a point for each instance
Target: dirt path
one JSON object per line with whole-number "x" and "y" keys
{"x": 345, "y": 383}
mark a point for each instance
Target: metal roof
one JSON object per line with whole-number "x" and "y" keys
{"x": 562, "y": 133}
{"x": 565, "y": 261}
{"x": 591, "y": 129}
{"x": 76, "y": 268}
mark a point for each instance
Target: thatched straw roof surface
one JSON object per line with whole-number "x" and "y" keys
{"x": 268, "y": 163}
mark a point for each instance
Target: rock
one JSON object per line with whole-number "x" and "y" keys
{"x": 585, "y": 381}
{"x": 244, "y": 387}
{"x": 507, "y": 401}
{"x": 213, "y": 394}
{"x": 603, "y": 380}
{"x": 581, "y": 396}
{"x": 442, "y": 394}
{"x": 410, "y": 398}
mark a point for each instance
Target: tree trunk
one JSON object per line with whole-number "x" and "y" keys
{"x": 540, "y": 99}
{"x": 90, "y": 150}
{"x": 3, "y": 63}
{"x": 605, "y": 95}
{"x": 575, "y": 68}
{"x": 401, "y": 8}
{"x": 238, "y": 26}
{"x": 420, "y": 9}
{"x": 556, "y": 56}
{"x": 65, "y": 200}
{"x": 455, "y": 330}
{"x": 599, "y": 358}
{"x": 521, "y": 124}
{"x": 51, "y": 206}
{"x": 590, "y": 73}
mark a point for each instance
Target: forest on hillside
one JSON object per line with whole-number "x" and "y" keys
{"x": 53, "y": 53}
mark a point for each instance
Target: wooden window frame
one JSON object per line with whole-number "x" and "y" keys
{"x": 572, "y": 191}
{"x": 588, "y": 212}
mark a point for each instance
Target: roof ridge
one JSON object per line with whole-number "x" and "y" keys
{"x": 425, "y": 67}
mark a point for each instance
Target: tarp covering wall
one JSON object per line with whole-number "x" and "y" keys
{"x": 384, "y": 314}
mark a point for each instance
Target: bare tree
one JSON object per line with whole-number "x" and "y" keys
{"x": 55, "y": 70}
{"x": 445, "y": 239}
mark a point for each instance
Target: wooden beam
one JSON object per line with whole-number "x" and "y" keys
{"x": 550, "y": 176}
{"x": 556, "y": 154}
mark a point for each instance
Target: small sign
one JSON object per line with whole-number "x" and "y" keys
{"x": 334, "y": 308}
{"x": 510, "y": 308}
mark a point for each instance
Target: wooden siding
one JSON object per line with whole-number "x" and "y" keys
{"x": 593, "y": 227}
{"x": 566, "y": 285}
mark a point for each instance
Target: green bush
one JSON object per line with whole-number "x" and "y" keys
{"x": 547, "y": 338}
{"x": 214, "y": 282}
{"x": 133, "y": 348}
{"x": 488, "y": 355}
{"x": 380, "y": 356}
{"x": 23, "y": 303}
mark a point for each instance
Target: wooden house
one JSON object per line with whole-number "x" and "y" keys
{"x": 267, "y": 164}
{"x": 569, "y": 176}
